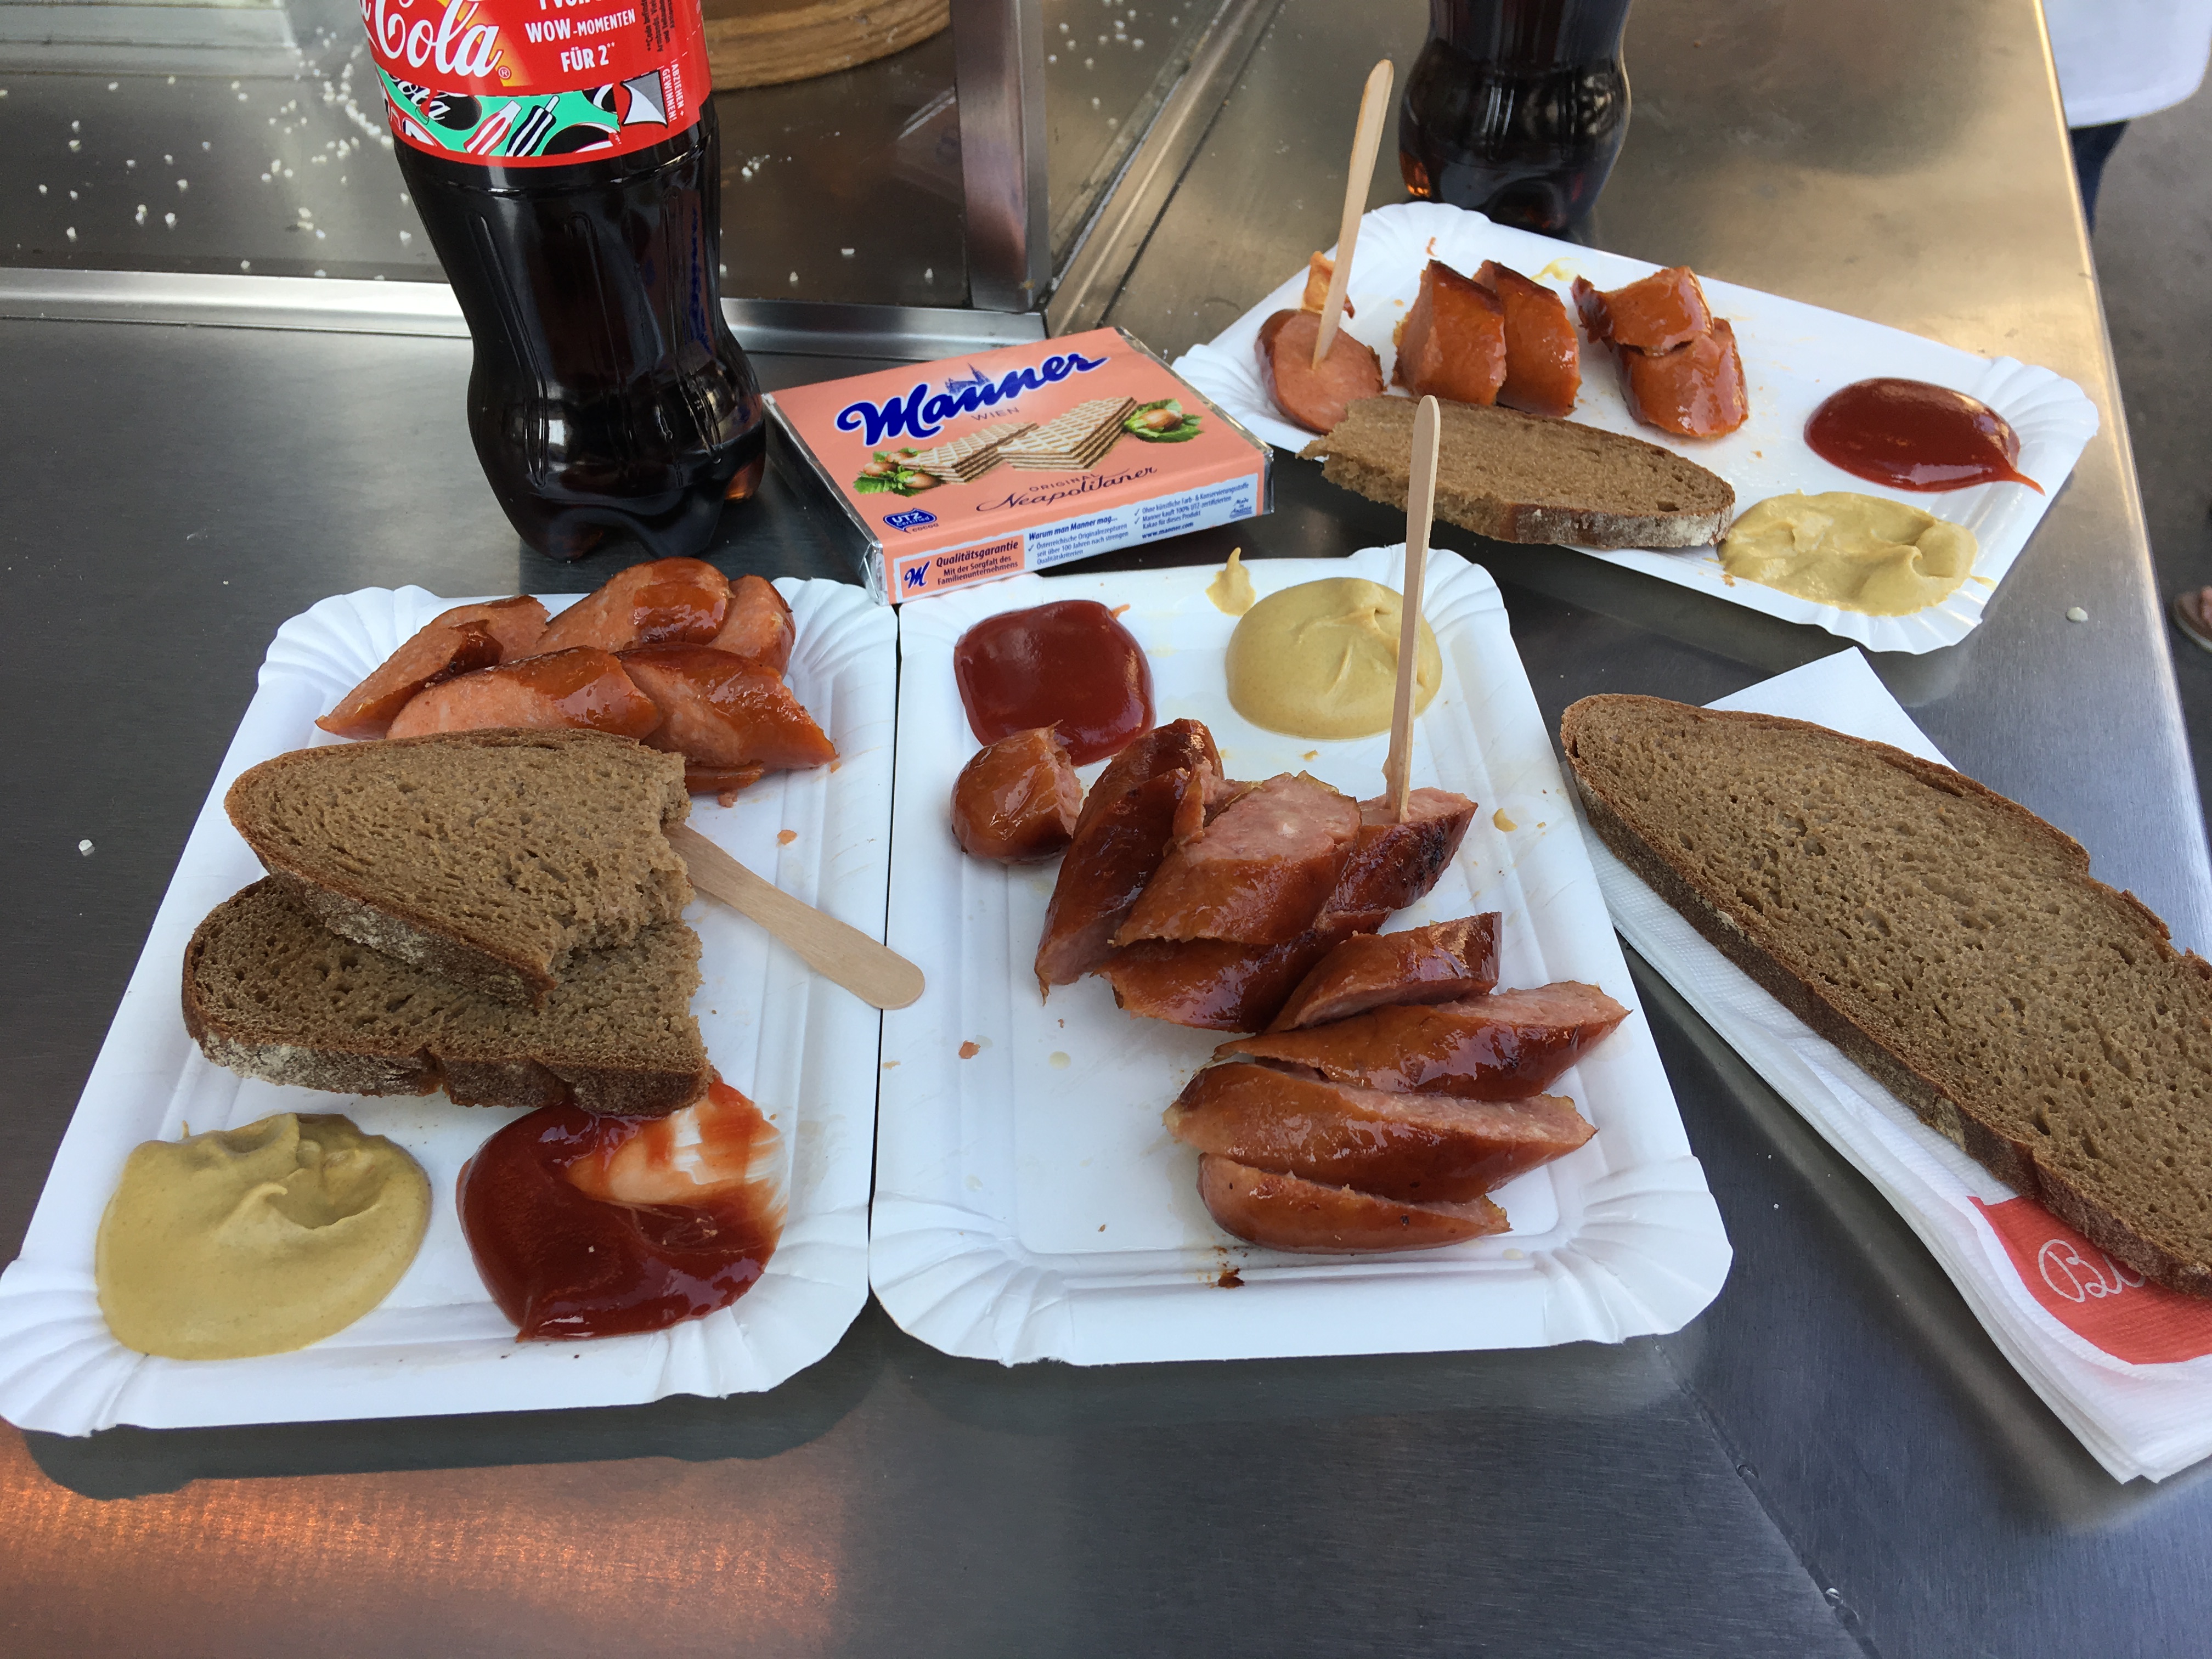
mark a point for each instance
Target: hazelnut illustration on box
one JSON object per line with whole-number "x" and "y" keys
{"x": 1021, "y": 458}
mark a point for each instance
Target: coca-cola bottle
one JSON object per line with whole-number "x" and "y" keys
{"x": 564, "y": 157}
{"x": 1516, "y": 108}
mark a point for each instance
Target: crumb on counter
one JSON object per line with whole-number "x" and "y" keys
{"x": 2073, "y": 613}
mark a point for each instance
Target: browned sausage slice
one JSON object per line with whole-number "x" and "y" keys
{"x": 757, "y": 624}
{"x": 453, "y": 643}
{"x": 1284, "y": 1212}
{"x": 1209, "y": 983}
{"x": 1018, "y": 800}
{"x": 1503, "y": 1046}
{"x": 682, "y": 600}
{"x": 1696, "y": 390}
{"x": 1314, "y": 398}
{"x": 725, "y": 711}
{"x": 1654, "y": 314}
{"x": 1443, "y": 962}
{"x": 1258, "y": 874}
{"x": 1453, "y": 341}
{"x": 584, "y": 688}
{"x": 1426, "y": 1148}
{"x": 1543, "y": 358}
{"x": 1121, "y": 836}
{"x": 517, "y": 624}
{"x": 1393, "y": 864}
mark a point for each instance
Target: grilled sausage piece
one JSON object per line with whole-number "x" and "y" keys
{"x": 1209, "y": 983}
{"x": 1393, "y": 864}
{"x": 1018, "y": 800}
{"x": 1284, "y": 1212}
{"x": 1426, "y": 1148}
{"x": 682, "y": 600}
{"x": 582, "y": 687}
{"x": 1444, "y": 962}
{"x": 757, "y": 624}
{"x": 1543, "y": 357}
{"x": 1504, "y": 1047}
{"x": 1696, "y": 390}
{"x": 1654, "y": 314}
{"x": 1120, "y": 838}
{"x": 455, "y": 642}
{"x": 1453, "y": 343}
{"x": 1258, "y": 874}
{"x": 1314, "y": 398}
{"x": 726, "y": 712}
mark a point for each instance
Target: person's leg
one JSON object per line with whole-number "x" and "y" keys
{"x": 2093, "y": 148}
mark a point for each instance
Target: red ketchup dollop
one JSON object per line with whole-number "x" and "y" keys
{"x": 1911, "y": 436}
{"x": 1070, "y": 665}
{"x": 583, "y": 1225}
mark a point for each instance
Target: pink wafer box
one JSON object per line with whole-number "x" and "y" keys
{"x": 1021, "y": 458}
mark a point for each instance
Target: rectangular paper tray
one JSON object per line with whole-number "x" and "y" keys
{"x": 801, "y": 1048}
{"x": 1029, "y": 1204}
{"x": 1794, "y": 356}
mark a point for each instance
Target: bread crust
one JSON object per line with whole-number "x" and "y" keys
{"x": 352, "y": 910}
{"x": 1530, "y": 522}
{"x": 1918, "y": 1080}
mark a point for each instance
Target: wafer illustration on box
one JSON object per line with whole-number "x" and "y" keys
{"x": 1073, "y": 442}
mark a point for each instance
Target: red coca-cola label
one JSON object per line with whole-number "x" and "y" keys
{"x": 538, "y": 82}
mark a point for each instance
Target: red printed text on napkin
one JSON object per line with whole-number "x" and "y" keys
{"x": 2103, "y": 1301}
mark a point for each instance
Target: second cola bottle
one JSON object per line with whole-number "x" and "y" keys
{"x": 565, "y": 159}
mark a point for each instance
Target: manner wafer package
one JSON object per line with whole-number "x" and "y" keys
{"x": 1021, "y": 458}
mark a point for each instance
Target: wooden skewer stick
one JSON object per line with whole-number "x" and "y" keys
{"x": 1420, "y": 510}
{"x": 879, "y": 976}
{"x": 1374, "y": 105}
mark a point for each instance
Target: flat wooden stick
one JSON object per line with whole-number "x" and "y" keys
{"x": 1374, "y": 105}
{"x": 1420, "y": 511}
{"x": 879, "y": 976}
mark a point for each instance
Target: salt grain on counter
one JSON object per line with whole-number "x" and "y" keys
{"x": 2075, "y": 613}
{"x": 84, "y": 847}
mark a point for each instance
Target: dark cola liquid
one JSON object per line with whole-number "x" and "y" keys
{"x": 608, "y": 395}
{"x": 1516, "y": 108}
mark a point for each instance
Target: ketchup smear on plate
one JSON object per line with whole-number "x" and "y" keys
{"x": 583, "y": 1225}
{"x": 1911, "y": 436}
{"x": 1070, "y": 664}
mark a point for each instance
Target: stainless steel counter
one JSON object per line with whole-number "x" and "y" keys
{"x": 1833, "y": 1460}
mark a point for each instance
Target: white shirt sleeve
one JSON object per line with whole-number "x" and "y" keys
{"x": 2121, "y": 58}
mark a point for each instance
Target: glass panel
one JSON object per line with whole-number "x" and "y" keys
{"x": 249, "y": 136}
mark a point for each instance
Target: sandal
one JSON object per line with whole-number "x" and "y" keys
{"x": 2193, "y": 623}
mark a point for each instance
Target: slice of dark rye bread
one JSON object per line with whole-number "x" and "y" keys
{"x": 271, "y": 992}
{"x": 1518, "y": 478}
{"x": 490, "y": 858}
{"x": 1947, "y": 940}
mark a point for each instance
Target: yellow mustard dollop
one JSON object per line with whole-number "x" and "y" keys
{"x": 1321, "y": 660}
{"x": 1231, "y": 589}
{"x": 258, "y": 1240}
{"x": 1856, "y": 552}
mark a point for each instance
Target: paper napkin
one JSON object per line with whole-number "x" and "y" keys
{"x": 2126, "y": 1365}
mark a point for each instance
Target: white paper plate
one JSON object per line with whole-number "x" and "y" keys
{"x": 802, "y": 1049}
{"x": 1029, "y": 1204}
{"x": 1794, "y": 356}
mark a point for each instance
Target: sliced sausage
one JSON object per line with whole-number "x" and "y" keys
{"x": 455, "y": 642}
{"x": 1503, "y": 1046}
{"x": 1393, "y": 864}
{"x": 1443, "y": 962}
{"x": 724, "y": 711}
{"x": 1121, "y": 836}
{"x": 1018, "y": 800}
{"x": 1453, "y": 341}
{"x": 680, "y": 600}
{"x": 1211, "y": 984}
{"x": 1314, "y": 398}
{"x": 757, "y": 624}
{"x": 1285, "y": 1213}
{"x": 1696, "y": 390}
{"x": 583, "y": 687}
{"x": 1654, "y": 314}
{"x": 1423, "y": 1147}
{"x": 1258, "y": 874}
{"x": 1543, "y": 357}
